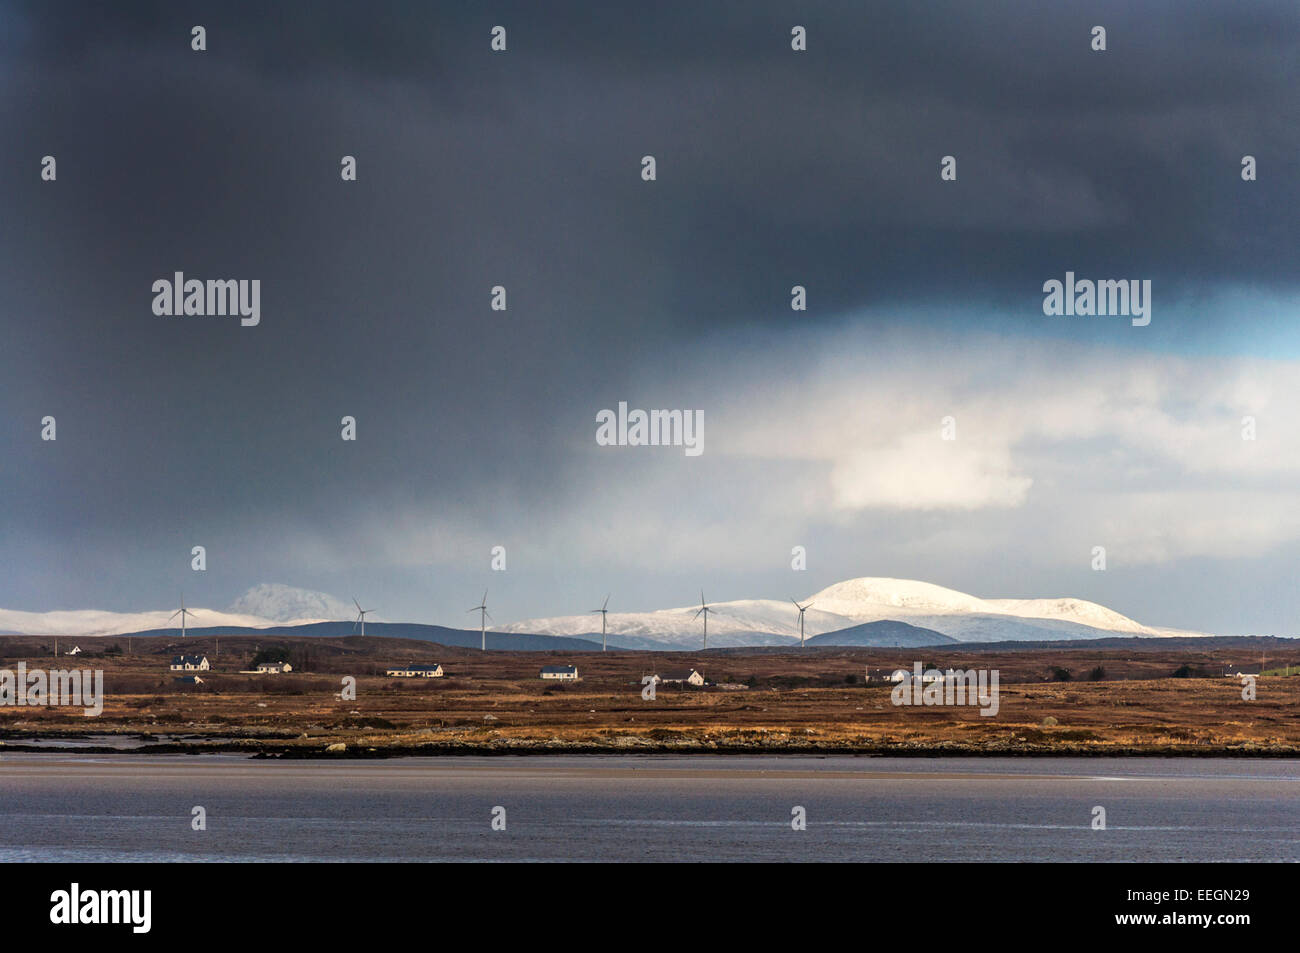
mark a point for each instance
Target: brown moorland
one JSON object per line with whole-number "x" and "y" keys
{"x": 1115, "y": 701}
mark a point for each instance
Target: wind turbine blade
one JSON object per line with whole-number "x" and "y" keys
{"x": 484, "y": 597}
{"x": 174, "y": 615}
{"x": 355, "y": 603}
{"x": 606, "y": 605}
{"x": 488, "y": 614}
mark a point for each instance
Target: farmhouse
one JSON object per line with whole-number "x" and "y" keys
{"x": 273, "y": 668}
{"x": 416, "y": 671}
{"x": 687, "y": 677}
{"x": 563, "y": 673}
{"x": 190, "y": 663}
{"x": 1236, "y": 671}
{"x": 927, "y": 676}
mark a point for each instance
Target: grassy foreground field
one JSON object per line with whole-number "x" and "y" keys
{"x": 791, "y": 701}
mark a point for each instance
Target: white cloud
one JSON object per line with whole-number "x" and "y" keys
{"x": 281, "y": 603}
{"x": 920, "y": 471}
{"x": 1136, "y": 449}
{"x": 836, "y": 444}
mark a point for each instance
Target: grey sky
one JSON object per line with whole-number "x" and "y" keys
{"x": 476, "y": 428}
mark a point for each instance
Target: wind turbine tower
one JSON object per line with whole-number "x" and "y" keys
{"x": 802, "y": 610}
{"x": 182, "y": 612}
{"x": 603, "y": 610}
{"x": 704, "y": 610}
{"x": 484, "y": 615}
{"x": 361, "y": 617}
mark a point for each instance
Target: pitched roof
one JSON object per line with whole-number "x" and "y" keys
{"x": 1254, "y": 669}
{"x": 559, "y": 669}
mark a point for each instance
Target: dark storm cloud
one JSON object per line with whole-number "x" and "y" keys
{"x": 823, "y": 166}
{"x": 522, "y": 170}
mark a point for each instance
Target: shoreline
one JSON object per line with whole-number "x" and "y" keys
{"x": 259, "y": 749}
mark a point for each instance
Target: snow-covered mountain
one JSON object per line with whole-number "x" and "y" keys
{"x": 261, "y": 606}
{"x": 285, "y": 604}
{"x": 87, "y": 622}
{"x": 955, "y": 614}
{"x": 964, "y": 617}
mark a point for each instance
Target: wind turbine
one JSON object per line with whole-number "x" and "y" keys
{"x": 705, "y": 610}
{"x": 802, "y": 610}
{"x": 182, "y": 612}
{"x": 361, "y": 617}
{"x": 484, "y": 615}
{"x": 603, "y": 610}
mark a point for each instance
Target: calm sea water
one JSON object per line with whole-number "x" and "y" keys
{"x": 654, "y": 808}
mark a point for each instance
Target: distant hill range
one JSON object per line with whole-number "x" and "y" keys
{"x": 881, "y": 634}
{"x": 867, "y": 612}
{"x": 844, "y": 606}
{"x": 462, "y": 638}
{"x": 885, "y": 633}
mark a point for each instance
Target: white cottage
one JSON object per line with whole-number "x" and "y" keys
{"x": 415, "y": 671}
{"x": 1237, "y": 671}
{"x": 562, "y": 673}
{"x": 688, "y": 677}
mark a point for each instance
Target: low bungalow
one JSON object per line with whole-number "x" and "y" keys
{"x": 1237, "y": 671}
{"x": 563, "y": 673}
{"x": 273, "y": 668}
{"x": 928, "y": 675}
{"x": 190, "y": 663}
{"x": 687, "y": 677}
{"x": 415, "y": 671}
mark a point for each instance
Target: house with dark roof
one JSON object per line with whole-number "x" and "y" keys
{"x": 415, "y": 671}
{"x": 563, "y": 673}
{"x": 190, "y": 663}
